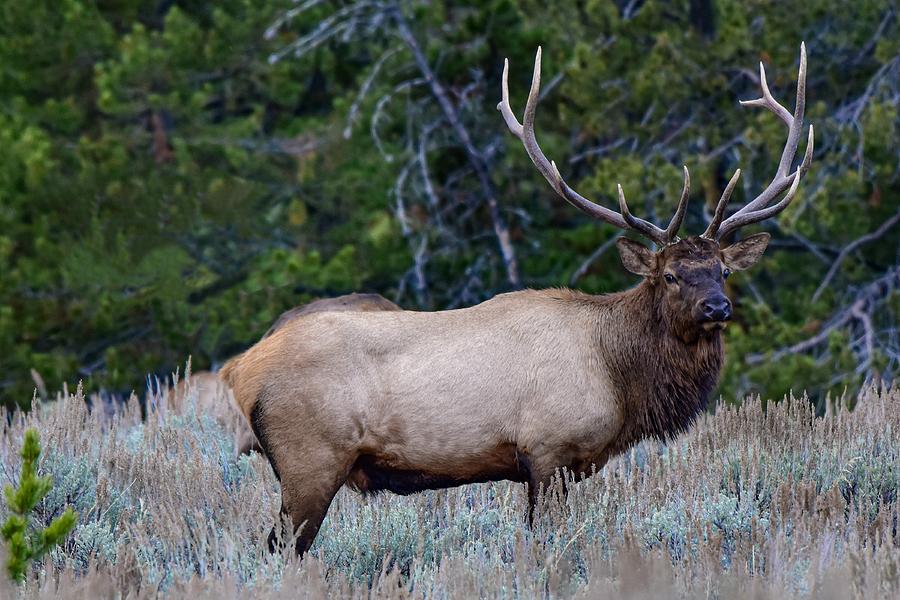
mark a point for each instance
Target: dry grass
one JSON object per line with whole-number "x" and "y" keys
{"x": 775, "y": 504}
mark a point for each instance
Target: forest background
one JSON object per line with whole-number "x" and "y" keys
{"x": 174, "y": 174}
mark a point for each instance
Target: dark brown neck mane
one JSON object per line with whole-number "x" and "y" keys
{"x": 664, "y": 382}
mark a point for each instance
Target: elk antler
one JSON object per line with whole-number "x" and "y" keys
{"x": 758, "y": 209}
{"x": 624, "y": 219}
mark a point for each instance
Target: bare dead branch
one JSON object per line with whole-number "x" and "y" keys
{"x": 851, "y": 247}
{"x": 353, "y": 114}
{"x": 400, "y": 206}
{"x": 421, "y": 282}
{"x": 378, "y": 113}
{"x": 289, "y": 15}
{"x": 800, "y": 347}
{"x": 344, "y": 20}
{"x": 501, "y": 231}
{"x": 809, "y": 245}
{"x": 597, "y": 150}
{"x": 867, "y": 298}
{"x": 596, "y": 254}
{"x": 723, "y": 148}
{"x": 868, "y": 334}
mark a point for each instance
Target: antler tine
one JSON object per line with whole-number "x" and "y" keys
{"x": 525, "y": 132}
{"x": 763, "y": 213}
{"x": 796, "y": 124}
{"x": 641, "y": 226}
{"x": 807, "y": 156}
{"x": 546, "y": 167}
{"x": 511, "y": 121}
{"x": 767, "y": 100}
{"x": 756, "y": 210}
{"x": 710, "y": 232}
{"x": 678, "y": 217}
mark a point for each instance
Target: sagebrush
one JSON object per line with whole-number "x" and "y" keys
{"x": 778, "y": 503}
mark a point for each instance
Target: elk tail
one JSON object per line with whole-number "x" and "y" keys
{"x": 237, "y": 376}
{"x": 227, "y": 372}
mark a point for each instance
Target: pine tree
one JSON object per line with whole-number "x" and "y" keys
{"x": 26, "y": 541}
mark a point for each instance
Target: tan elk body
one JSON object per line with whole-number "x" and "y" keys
{"x": 210, "y": 395}
{"x": 513, "y": 388}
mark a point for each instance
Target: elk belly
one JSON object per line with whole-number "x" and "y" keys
{"x": 372, "y": 473}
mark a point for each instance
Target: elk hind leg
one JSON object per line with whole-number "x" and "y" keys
{"x": 310, "y": 471}
{"x": 306, "y": 495}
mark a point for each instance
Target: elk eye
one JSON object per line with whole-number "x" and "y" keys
{"x": 669, "y": 278}
{"x": 726, "y": 273}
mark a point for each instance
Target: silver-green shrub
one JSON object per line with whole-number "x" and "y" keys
{"x": 779, "y": 503}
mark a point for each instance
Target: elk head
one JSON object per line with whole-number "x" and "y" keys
{"x": 687, "y": 275}
{"x": 688, "y": 278}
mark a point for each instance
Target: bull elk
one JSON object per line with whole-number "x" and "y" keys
{"x": 520, "y": 385}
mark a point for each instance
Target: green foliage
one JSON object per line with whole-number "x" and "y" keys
{"x": 166, "y": 190}
{"x": 26, "y": 542}
{"x": 157, "y": 186}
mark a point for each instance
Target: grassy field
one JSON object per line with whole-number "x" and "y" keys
{"x": 750, "y": 503}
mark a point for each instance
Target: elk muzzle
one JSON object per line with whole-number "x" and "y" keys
{"x": 713, "y": 311}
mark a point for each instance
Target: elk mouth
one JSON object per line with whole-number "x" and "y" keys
{"x": 715, "y": 325}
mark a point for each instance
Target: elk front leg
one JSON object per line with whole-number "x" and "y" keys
{"x": 559, "y": 469}
{"x": 542, "y": 474}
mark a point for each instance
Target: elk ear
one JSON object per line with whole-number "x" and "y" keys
{"x": 746, "y": 252}
{"x": 636, "y": 257}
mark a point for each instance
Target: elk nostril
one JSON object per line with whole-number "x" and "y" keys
{"x": 717, "y": 309}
